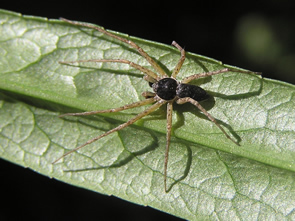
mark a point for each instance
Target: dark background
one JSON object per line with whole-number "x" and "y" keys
{"x": 255, "y": 35}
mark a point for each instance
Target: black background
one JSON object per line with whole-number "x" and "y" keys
{"x": 204, "y": 27}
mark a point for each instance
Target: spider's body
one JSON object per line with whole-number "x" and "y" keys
{"x": 166, "y": 90}
{"x": 169, "y": 89}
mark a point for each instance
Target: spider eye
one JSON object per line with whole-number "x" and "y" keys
{"x": 165, "y": 88}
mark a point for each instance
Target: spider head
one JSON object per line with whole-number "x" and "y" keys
{"x": 165, "y": 88}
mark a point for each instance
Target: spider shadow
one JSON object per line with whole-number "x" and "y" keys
{"x": 195, "y": 111}
{"x": 96, "y": 34}
{"x": 154, "y": 143}
{"x": 254, "y": 92}
{"x": 187, "y": 166}
{"x": 210, "y": 103}
{"x": 239, "y": 96}
{"x": 108, "y": 70}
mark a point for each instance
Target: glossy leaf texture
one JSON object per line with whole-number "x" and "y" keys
{"x": 209, "y": 176}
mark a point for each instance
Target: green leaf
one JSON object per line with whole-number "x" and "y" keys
{"x": 209, "y": 176}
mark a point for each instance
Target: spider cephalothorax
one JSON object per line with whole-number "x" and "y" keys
{"x": 166, "y": 90}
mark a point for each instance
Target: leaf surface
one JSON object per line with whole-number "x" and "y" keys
{"x": 209, "y": 176}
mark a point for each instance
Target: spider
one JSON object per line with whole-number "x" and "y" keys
{"x": 166, "y": 90}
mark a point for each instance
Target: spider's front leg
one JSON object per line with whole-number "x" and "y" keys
{"x": 149, "y": 73}
{"x": 181, "y": 60}
{"x": 127, "y": 41}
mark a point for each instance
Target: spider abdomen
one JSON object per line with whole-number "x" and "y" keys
{"x": 195, "y": 92}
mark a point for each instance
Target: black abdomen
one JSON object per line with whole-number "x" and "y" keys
{"x": 192, "y": 91}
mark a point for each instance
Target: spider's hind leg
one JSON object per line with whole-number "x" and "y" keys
{"x": 210, "y": 117}
{"x": 211, "y": 73}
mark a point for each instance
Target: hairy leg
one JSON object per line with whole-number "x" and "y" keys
{"x": 125, "y": 107}
{"x": 198, "y": 105}
{"x": 210, "y": 73}
{"x": 168, "y": 138}
{"x": 131, "y": 43}
{"x": 120, "y": 127}
{"x": 181, "y": 60}
{"x": 148, "y": 72}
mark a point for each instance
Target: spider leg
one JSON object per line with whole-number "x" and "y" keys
{"x": 198, "y": 105}
{"x": 120, "y": 127}
{"x": 148, "y": 94}
{"x": 168, "y": 138}
{"x": 181, "y": 60}
{"x": 148, "y": 72}
{"x": 149, "y": 79}
{"x": 125, "y": 107}
{"x": 210, "y": 73}
{"x": 131, "y": 43}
